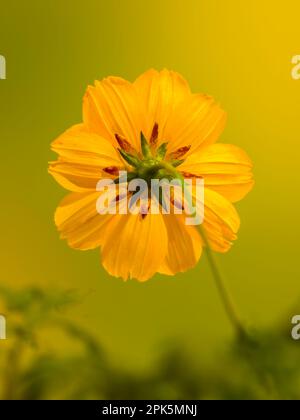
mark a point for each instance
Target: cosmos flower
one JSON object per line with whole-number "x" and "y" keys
{"x": 179, "y": 130}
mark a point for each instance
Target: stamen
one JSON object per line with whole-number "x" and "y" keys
{"x": 179, "y": 153}
{"x": 154, "y": 135}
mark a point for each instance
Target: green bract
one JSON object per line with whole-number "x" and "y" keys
{"x": 151, "y": 166}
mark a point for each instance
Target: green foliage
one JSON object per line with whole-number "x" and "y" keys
{"x": 265, "y": 367}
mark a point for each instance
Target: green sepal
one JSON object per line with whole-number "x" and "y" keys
{"x": 132, "y": 160}
{"x": 161, "y": 151}
{"x": 145, "y": 147}
{"x": 176, "y": 163}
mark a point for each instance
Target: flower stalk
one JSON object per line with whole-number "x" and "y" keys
{"x": 224, "y": 293}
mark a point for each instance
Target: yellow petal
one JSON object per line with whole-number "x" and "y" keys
{"x": 79, "y": 222}
{"x": 160, "y": 92}
{"x": 184, "y": 246}
{"x": 135, "y": 247}
{"x": 225, "y": 168}
{"x": 113, "y": 107}
{"x": 195, "y": 122}
{"x": 82, "y": 156}
{"x": 221, "y": 221}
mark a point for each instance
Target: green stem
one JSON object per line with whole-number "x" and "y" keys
{"x": 225, "y": 295}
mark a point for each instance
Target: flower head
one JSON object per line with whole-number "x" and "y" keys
{"x": 154, "y": 128}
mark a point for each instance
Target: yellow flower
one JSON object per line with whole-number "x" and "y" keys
{"x": 161, "y": 106}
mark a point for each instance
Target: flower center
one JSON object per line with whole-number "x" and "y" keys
{"x": 151, "y": 164}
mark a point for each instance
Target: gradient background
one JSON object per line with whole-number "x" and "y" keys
{"x": 238, "y": 52}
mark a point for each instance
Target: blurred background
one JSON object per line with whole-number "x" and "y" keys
{"x": 167, "y": 338}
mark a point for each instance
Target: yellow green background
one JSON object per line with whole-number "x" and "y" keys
{"x": 239, "y": 52}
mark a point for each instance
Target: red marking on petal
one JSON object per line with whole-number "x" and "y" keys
{"x": 124, "y": 144}
{"x": 119, "y": 197}
{"x": 179, "y": 153}
{"x": 189, "y": 175}
{"x": 145, "y": 209}
{"x": 177, "y": 204}
{"x": 111, "y": 170}
{"x": 154, "y": 135}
